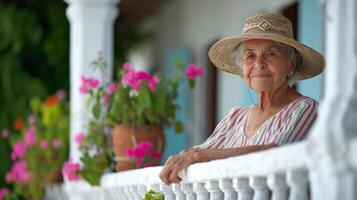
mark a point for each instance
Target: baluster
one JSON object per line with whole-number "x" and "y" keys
{"x": 142, "y": 190}
{"x": 120, "y": 193}
{"x": 278, "y": 186}
{"x": 135, "y": 193}
{"x": 105, "y": 194}
{"x": 259, "y": 185}
{"x": 167, "y": 190}
{"x": 298, "y": 181}
{"x": 226, "y": 186}
{"x": 127, "y": 193}
{"x": 200, "y": 190}
{"x": 187, "y": 189}
{"x": 242, "y": 187}
{"x": 214, "y": 191}
{"x": 180, "y": 195}
{"x": 113, "y": 193}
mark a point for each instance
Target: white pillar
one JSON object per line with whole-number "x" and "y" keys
{"x": 91, "y": 31}
{"x": 332, "y": 176}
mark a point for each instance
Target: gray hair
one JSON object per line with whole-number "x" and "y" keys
{"x": 293, "y": 56}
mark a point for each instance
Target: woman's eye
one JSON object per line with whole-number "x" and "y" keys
{"x": 271, "y": 54}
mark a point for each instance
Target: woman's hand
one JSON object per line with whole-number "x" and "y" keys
{"x": 176, "y": 163}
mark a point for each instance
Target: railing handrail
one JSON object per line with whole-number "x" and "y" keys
{"x": 272, "y": 161}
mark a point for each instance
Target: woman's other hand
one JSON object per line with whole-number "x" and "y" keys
{"x": 176, "y": 163}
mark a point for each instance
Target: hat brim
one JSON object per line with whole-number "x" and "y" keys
{"x": 222, "y": 54}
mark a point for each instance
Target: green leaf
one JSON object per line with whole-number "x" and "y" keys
{"x": 96, "y": 110}
{"x": 191, "y": 83}
{"x": 178, "y": 127}
{"x": 144, "y": 100}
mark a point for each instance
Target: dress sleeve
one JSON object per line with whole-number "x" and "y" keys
{"x": 219, "y": 133}
{"x": 297, "y": 124}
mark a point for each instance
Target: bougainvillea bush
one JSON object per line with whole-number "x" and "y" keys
{"x": 39, "y": 147}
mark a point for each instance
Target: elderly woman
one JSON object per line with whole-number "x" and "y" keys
{"x": 270, "y": 61}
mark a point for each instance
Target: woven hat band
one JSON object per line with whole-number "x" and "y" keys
{"x": 268, "y": 24}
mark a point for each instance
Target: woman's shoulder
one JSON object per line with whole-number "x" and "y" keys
{"x": 307, "y": 100}
{"x": 304, "y": 105}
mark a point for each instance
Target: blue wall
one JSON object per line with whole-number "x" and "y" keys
{"x": 311, "y": 33}
{"x": 177, "y": 142}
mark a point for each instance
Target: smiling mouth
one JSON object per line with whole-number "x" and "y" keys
{"x": 261, "y": 76}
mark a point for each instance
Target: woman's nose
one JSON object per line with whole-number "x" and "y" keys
{"x": 260, "y": 62}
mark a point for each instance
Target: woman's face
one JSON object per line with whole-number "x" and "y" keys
{"x": 265, "y": 65}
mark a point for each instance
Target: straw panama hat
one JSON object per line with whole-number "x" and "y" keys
{"x": 271, "y": 27}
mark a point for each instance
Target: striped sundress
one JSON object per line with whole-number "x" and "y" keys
{"x": 290, "y": 124}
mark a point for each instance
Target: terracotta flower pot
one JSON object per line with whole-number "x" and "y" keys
{"x": 128, "y": 136}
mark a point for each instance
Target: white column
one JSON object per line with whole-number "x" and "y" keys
{"x": 332, "y": 176}
{"x": 91, "y": 32}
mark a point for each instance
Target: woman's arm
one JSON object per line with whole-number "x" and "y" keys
{"x": 176, "y": 163}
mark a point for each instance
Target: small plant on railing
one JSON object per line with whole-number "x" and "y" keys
{"x": 153, "y": 195}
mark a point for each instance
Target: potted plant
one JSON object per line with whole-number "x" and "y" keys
{"x": 39, "y": 147}
{"x": 128, "y": 116}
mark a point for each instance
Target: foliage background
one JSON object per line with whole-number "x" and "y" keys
{"x": 34, "y": 57}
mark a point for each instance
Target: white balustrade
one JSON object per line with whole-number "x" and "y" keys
{"x": 179, "y": 193}
{"x": 278, "y": 186}
{"x": 259, "y": 185}
{"x": 200, "y": 190}
{"x": 242, "y": 187}
{"x": 167, "y": 191}
{"x": 214, "y": 190}
{"x": 226, "y": 186}
{"x": 142, "y": 190}
{"x": 188, "y": 190}
{"x": 298, "y": 182}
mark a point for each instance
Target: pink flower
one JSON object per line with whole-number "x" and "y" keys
{"x": 88, "y": 84}
{"x": 79, "y": 138}
{"x": 139, "y": 153}
{"x": 153, "y": 82}
{"x": 70, "y": 170}
{"x": 127, "y": 67}
{"x": 94, "y": 83}
{"x": 31, "y": 120}
{"x": 44, "y": 144}
{"x": 155, "y": 155}
{"x": 131, "y": 80}
{"x": 111, "y": 88}
{"x": 194, "y": 71}
{"x": 139, "y": 162}
{"x": 129, "y": 152}
{"x": 18, "y": 150}
{"x": 149, "y": 164}
{"x": 61, "y": 94}
{"x": 144, "y": 146}
{"x": 30, "y": 136}
{"x": 19, "y": 173}
{"x": 4, "y": 192}
{"x": 5, "y": 133}
{"x": 142, "y": 75}
{"x": 56, "y": 143}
